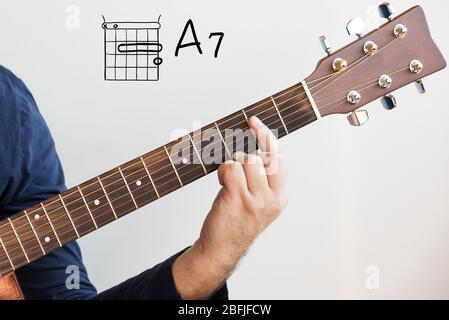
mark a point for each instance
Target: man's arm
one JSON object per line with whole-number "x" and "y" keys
{"x": 31, "y": 172}
{"x": 252, "y": 197}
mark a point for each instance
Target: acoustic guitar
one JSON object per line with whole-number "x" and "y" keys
{"x": 398, "y": 53}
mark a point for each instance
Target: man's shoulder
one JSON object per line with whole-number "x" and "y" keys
{"x": 5, "y": 72}
{"x": 9, "y": 80}
{"x": 25, "y": 141}
{"x": 14, "y": 96}
{"x": 10, "y": 108}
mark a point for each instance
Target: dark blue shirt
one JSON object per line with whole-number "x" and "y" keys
{"x": 30, "y": 172}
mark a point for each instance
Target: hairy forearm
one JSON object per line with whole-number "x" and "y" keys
{"x": 198, "y": 275}
{"x": 252, "y": 197}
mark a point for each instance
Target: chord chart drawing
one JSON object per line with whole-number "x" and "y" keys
{"x": 131, "y": 51}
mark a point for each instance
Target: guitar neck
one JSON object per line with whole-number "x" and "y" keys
{"x": 80, "y": 210}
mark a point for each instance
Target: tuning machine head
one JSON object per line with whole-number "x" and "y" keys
{"x": 358, "y": 118}
{"x": 389, "y": 102}
{"x": 355, "y": 27}
{"x": 326, "y": 45}
{"x": 386, "y": 10}
{"x": 420, "y": 86}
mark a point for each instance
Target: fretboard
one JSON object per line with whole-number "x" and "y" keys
{"x": 78, "y": 211}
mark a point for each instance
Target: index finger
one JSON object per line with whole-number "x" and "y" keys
{"x": 264, "y": 136}
{"x": 275, "y": 167}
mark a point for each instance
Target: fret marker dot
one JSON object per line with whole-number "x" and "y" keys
{"x": 139, "y": 183}
{"x": 185, "y": 161}
{"x": 97, "y": 202}
{"x": 36, "y": 217}
{"x": 47, "y": 239}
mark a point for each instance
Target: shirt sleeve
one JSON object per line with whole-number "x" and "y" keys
{"x": 31, "y": 172}
{"x": 156, "y": 283}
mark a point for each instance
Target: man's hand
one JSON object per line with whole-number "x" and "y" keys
{"x": 252, "y": 197}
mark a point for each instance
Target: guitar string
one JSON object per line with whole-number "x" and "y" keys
{"x": 161, "y": 177}
{"x": 329, "y": 76}
{"x": 81, "y": 225}
{"x": 362, "y": 59}
{"x": 218, "y": 142}
{"x": 359, "y": 64}
{"x": 143, "y": 170}
{"x": 186, "y": 172}
{"x": 36, "y": 247}
{"x": 361, "y": 85}
{"x": 254, "y": 107}
{"x": 144, "y": 194}
{"x": 340, "y": 74}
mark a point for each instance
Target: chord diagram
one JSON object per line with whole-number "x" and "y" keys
{"x": 131, "y": 51}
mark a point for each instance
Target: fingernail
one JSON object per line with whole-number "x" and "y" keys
{"x": 239, "y": 156}
{"x": 256, "y": 121}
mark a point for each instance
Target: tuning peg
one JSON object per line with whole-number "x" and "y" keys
{"x": 358, "y": 118}
{"x": 420, "y": 86}
{"x": 389, "y": 102}
{"x": 326, "y": 45}
{"x": 355, "y": 27}
{"x": 386, "y": 10}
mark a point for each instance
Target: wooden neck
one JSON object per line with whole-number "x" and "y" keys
{"x": 53, "y": 223}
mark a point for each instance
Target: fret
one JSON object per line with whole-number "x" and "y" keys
{"x": 160, "y": 168}
{"x": 27, "y": 236}
{"x": 210, "y": 146}
{"x": 44, "y": 230}
{"x": 51, "y": 224}
{"x": 5, "y": 263}
{"x": 149, "y": 176}
{"x": 185, "y": 160}
{"x": 279, "y": 114}
{"x": 139, "y": 182}
{"x": 12, "y": 245}
{"x": 18, "y": 239}
{"x": 298, "y": 119}
{"x": 267, "y": 114}
{"x": 34, "y": 232}
{"x": 60, "y": 220}
{"x": 174, "y": 168}
{"x": 107, "y": 197}
{"x": 79, "y": 211}
{"x": 99, "y": 201}
{"x": 68, "y": 214}
{"x": 96, "y": 203}
{"x": 116, "y": 193}
{"x": 224, "y": 142}
{"x": 295, "y": 108}
{"x": 311, "y": 99}
{"x": 127, "y": 187}
{"x": 236, "y": 133}
{"x": 197, "y": 154}
{"x": 244, "y": 114}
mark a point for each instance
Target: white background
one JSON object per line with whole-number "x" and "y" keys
{"x": 377, "y": 195}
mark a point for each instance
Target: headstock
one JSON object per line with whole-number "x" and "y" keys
{"x": 398, "y": 53}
